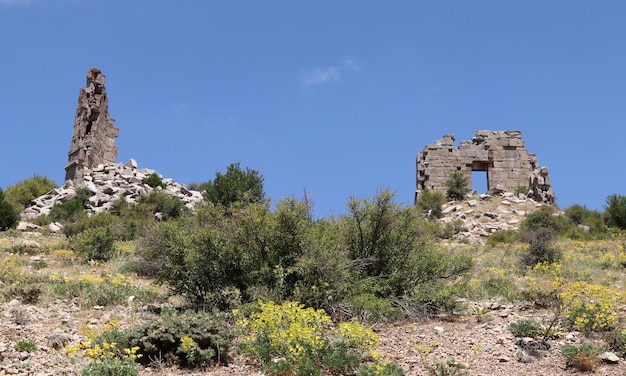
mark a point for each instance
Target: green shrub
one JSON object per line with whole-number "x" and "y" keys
{"x": 71, "y": 210}
{"x": 168, "y": 206}
{"x": 340, "y": 359}
{"x": 154, "y": 180}
{"x": 526, "y": 328}
{"x": 591, "y": 307}
{"x": 302, "y": 338}
{"x": 101, "y": 220}
{"x": 521, "y": 189}
{"x": 370, "y": 308}
{"x": 381, "y": 369}
{"x": 380, "y": 249}
{"x": 236, "y": 185}
{"x": 616, "y": 339}
{"x": 587, "y": 224}
{"x": 583, "y": 357}
{"x": 28, "y": 346}
{"x": 9, "y": 215}
{"x": 192, "y": 339}
{"x": 450, "y": 367}
{"x": 24, "y": 192}
{"x": 540, "y": 229}
{"x": 110, "y": 367}
{"x": 94, "y": 244}
{"x": 430, "y": 203}
{"x": 457, "y": 186}
{"x": 105, "y": 290}
{"x": 504, "y": 237}
{"x": 388, "y": 243}
{"x": 616, "y": 211}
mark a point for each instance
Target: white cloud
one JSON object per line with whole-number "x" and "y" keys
{"x": 319, "y": 76}
{"x": 351, "y": 65}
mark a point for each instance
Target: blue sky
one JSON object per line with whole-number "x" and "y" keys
{"x": 333, "y": 96}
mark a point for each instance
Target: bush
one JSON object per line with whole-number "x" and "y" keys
{"x": 526, "y": 328}
{"x": 9, "y": 215}
{"x": 504, "y": 237}
{"x": 28, "y": 346}
{"x": 457, "y": 186}
{"x": 616, "y": 211}
{"x": 192, "y": 339}
{"x": 101, "y": 220}
{"x": 379, "y": 249}
{"x": 71, "y": 210}
{"x": 24, "y": 192}
{"x": 381, "y": 369}
{"x": 583, "y": 357}
{"x": 587, "y": 224}
{"x": 616, "y": 339}
{"x": 94, "y": 244}
{"x": 450, "y": 367}
{"x": 302, "y": 338}
{"x": 168, "y": 206}
{"x": 387, "y": 243}
{"x": 110, "y": 367}
{"x": 105, "y": 290}
{"x": 154, "y": 180}
{"x": 591, "y": 307}
{"x": 430, "y": 203}
{"x": 236, "y": 185}
{"x": 539, "y": 230}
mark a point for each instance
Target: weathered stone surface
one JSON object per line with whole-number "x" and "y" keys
{"x": 501, "y": 154}
{"x": 108, "y": 184}
{"x": 93, "y": 139}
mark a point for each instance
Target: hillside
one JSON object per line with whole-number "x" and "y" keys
{"x": 478, "y": 335}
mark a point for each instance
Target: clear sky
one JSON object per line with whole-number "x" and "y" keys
{"x": 335, "y": 97}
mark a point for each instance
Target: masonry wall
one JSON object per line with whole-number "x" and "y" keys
{"x": 501, "y": 154}
{"x": 93, "y": 137}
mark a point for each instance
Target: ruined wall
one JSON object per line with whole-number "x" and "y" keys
{"x": 501, "y": 154}
{"x": 93, "y": 138}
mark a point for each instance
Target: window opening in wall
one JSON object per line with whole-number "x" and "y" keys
{"x": 479, "y": 181}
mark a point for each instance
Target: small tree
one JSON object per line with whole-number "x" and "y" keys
{"x": 457, "y": 185}
{"x": 24, "y": 192}
{"x": 616, "y": 211}
{"x": 8, "y": 213}
{"x": 236, "y": 185}
{"x": 430, "y": 203}
{"x": 539, "y": 230}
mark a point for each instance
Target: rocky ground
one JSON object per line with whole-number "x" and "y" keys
{"x": 482, "y": 341}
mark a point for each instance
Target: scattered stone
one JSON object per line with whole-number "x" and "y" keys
{"x": 55, "y": 227}
{"x": 491, "y": 215}
{"x": 609, "y": 357}
{"x": 472, "y": 203}
{"x": 58, "y": 340}
{"x": 438, "y": 329}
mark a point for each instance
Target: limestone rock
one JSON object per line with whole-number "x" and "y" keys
{"x": 93, "y": 138}
{"x": 109, "y": 183}
{"x": 502, "y": 154}
{"x": 609, "y": 357}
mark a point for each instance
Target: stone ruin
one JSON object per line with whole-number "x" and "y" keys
{"x": 92, "y": 164}
{"x": 501, "y": 154}
{"x": 93, "y": 139}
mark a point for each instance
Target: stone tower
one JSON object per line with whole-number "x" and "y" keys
{"x": 93, "y": 139}
{"x": 501, "y": 154}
